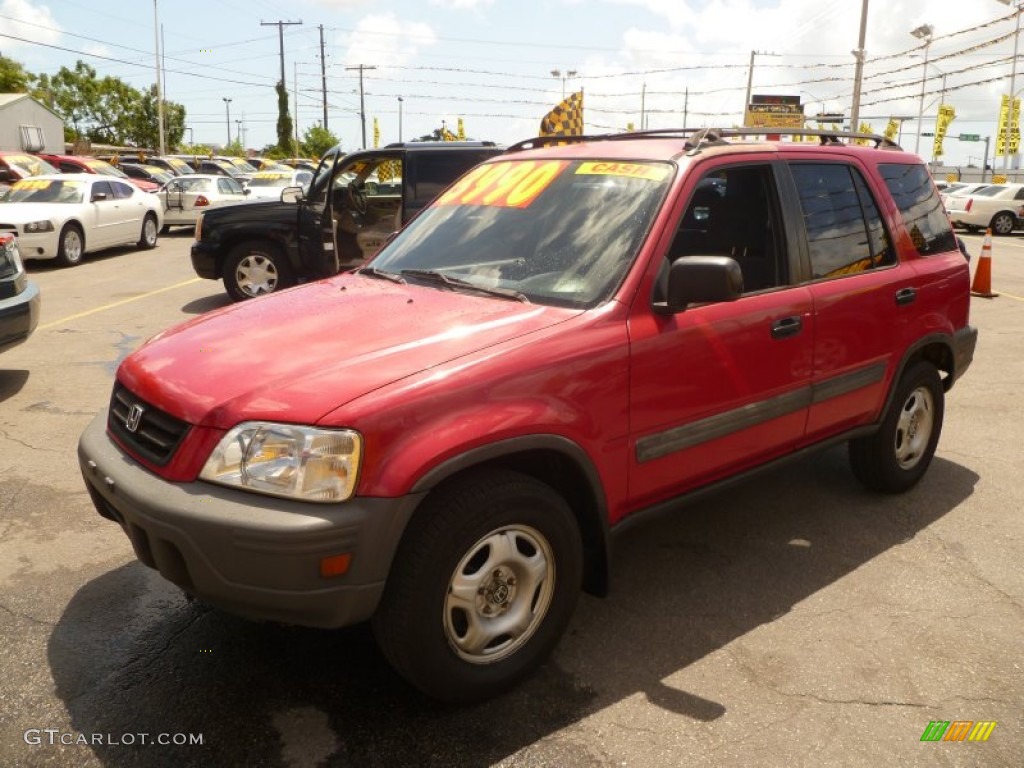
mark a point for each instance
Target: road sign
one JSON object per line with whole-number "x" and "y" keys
{"x": 927, "y": 134}
{"x": 970, "y": 137}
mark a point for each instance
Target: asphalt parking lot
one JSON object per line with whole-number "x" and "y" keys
{"x": 795, "y": 620}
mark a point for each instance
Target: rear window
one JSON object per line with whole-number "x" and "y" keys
{"x": 915, "y": 195}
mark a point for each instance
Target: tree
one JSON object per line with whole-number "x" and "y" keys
{"x": 316, "y": 141}
{"x": 284, "y": 120}
{"x": 14, "y": 78}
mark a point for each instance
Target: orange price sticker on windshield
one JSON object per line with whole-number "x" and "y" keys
{"x": 652, "y": 171}
{"x": 271, "y": 175}
{"x": 509, "y": 184}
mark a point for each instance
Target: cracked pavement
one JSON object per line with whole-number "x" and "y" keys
{"x": 794, "y": 620}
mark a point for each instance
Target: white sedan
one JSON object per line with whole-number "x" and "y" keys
{"x": 267, "y": 185}
{"x": 64, "y": 216}
{"x": 185, "y": 197}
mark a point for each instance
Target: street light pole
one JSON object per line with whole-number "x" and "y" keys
{"x": 400, "y": 100}
{"x": 1013, "y": 76}
{"x": 159, "y": 90}
{"x": 568, "y": 73}
{"x": 227, "y": 111}
{"x": 924, "y": 32}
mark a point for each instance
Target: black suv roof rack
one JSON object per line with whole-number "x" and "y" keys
{"x": 698, "y": 138}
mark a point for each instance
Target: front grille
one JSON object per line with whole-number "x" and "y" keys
{"x": 156, "y": 435}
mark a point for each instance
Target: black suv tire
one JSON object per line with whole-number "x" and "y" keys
{"x": 255, "y": 268}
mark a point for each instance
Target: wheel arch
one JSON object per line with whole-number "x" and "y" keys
{"x": 936, "y": 349}
{"x": 559, "y": 463}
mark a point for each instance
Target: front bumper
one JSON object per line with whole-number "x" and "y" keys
{"x": 251, "y": 555}
{"x": 19, "y": 316}
{"x": 39, "y": 245}
{"x": 204, "y": 260}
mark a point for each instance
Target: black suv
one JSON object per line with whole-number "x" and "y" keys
{"x": 354, "y": 204}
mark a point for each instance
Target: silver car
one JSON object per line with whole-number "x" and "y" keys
{"x": 185, "y": 197}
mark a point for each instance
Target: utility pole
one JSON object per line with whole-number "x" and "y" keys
{"x": 323, "y": 73}
{"x": 159, "y": 91}
{"x": 280, "y": 35}
{"x": 858, "y": 71}
{"x": 362, "y": 103}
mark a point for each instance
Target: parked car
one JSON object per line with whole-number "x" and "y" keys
{"x": 185, "y": 197}
{"x": 243, "y": 165}
{"x": 444, "y": 441}
{"x": 216, "y": 167}
{"x": 341, "y": 221}
{"x": 175, "y": 165}
{"x": 15, "y": 166}
{"x": 268, "y": 185}
{"x": 999, "y": 207}
{"x": 148, "y": 172}
{"x": 961, "y": 189}
{"x": 65, "y": 216}
{"x": 300, "y": 163}
{"x": 81, "y": 164}
{"x": 19, "y": 297}
{"x": 266, "y": 164}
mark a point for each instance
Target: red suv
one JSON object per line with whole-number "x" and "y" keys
{"x": 81, "y": 164}
{"x": 577, "y": 332}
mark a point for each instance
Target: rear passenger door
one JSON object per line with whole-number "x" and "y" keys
{"x": 863, "y": 297}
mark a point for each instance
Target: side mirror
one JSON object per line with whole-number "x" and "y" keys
{"x": 291, "y": 195}
{"x": 700, "y": 280}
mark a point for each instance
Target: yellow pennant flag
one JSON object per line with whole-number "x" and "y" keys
{"x": 566, "y": 119}
{"x": 376, "y": 133}
{"x": 462, "y": 131}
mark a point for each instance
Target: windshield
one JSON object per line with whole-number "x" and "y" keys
{"x": 26, "y": 165}
{"x": 44, "y": 191}
{"x": 557, "y": 232}
{"x": 104, "y": 169}
{"x": 271, "y": 179}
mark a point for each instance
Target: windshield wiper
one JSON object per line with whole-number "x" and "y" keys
{"x": 440, "y": 278}
{"x": 374, "y": 272}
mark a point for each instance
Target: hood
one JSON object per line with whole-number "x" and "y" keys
{"x": 22, "y": 213}
{"x": 297, "y": 355}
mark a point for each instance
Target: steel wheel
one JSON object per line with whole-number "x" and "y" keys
{"x": 914, "y": 427}
{"x": 72, "y": 247}
{"x": 256, "y": 275}
{"x": 499, "y": 594}
{"x": 149, "y": 232}
{"x": 1003, "y": 223}
{"x": 895, "y": 458}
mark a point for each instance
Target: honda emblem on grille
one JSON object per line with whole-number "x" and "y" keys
{"x": 131, "y": 423}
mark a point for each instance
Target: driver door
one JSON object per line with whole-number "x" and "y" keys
{"x": 317, "y": 244}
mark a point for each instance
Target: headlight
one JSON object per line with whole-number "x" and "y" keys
{"x": 303, "y": 463}
{"x": 10, "y": 259}
{"x": 39, "y": 226}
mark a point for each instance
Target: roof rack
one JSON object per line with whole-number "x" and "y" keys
{"x": 699, "y": 138}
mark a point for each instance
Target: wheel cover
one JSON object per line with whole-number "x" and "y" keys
{"x": 256, "y": 275}
{"x": 914, "y": 428}
{"x": 1002, "y": 224}
{"x": 499, "y": 594}
{"x": 72, "y": 245}
{"x": 149, "y": 231}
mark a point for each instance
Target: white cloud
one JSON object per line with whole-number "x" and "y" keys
{"x": 30, "y": 22}
{"x": 461, "y": 5}
{"x": 386, "y": 39}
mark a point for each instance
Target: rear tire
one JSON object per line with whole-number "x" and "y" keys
{"x": 895, "y": 458}
{"x": 1003, "y": 223}
{"x": 147, "y": 240}
{"x": 482, "y": 586}
{"x": 255, "y": 268}
{"x": 71, "y": 246}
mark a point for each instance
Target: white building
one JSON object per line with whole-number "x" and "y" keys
{"x": 27, "y": 125}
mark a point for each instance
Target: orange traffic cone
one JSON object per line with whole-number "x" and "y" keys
{"x": 982, "y": 285}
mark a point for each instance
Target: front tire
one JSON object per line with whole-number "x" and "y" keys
{"x": 255, "y": 268}
{"x": 482, "y": 586}
{"x": 147, "y": 240}
{"x": 896, "y": 457}
{"x": 71, "y": 246}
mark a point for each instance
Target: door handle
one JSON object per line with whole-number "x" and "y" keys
{"x": 786, "y": 327}
{"x": 905, "y": 296}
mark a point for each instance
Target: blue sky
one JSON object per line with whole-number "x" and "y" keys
{"x": 490, "y": 61}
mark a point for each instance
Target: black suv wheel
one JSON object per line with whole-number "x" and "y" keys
{"x": 255, "y": 268}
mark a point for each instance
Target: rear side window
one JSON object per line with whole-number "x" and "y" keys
{"x": 845, "y": 234}
{"x": 915, "y": 195}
